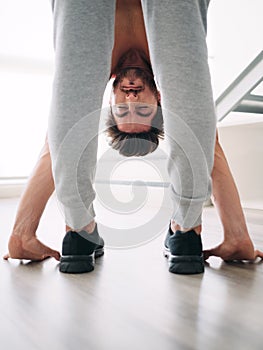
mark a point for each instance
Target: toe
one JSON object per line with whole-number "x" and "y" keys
{"x": 55, "y": 255}
{"x": 258, "y": 254}
{"x": 51, "y": 253}
{"x": 206, "y": 254}
{"x": 211, "y": 252}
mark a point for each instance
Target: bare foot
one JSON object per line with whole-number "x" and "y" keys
{"x": 235, "y": 250}
{"x": 29, "y": 249}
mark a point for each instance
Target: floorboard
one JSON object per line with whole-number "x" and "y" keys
{"x": 130, "y": 301}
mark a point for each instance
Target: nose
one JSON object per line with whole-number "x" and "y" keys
{"x": 131, "y": 96}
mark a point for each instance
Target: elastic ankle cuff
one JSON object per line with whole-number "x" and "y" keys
{"x": 77, "y": 218}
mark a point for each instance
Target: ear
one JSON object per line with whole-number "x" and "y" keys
{"x": 159, "y": 96}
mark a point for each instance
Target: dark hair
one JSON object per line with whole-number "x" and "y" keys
{"x": 135, "y": 144}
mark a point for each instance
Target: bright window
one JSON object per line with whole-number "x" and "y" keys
{"x": 26, "y": 63}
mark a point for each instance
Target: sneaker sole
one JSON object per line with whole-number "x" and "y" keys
{"x": 79, "y": 263}
{"x": 184, "y": 264}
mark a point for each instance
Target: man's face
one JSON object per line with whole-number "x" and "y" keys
{"x": 134, "y": 101}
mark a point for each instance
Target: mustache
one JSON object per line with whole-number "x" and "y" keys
{"x": 135, "y": 73}
{"x": 133, "y": 91}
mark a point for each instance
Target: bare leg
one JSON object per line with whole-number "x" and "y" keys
{"x": 23, "y": 242}
{"x": 237, "y": 244}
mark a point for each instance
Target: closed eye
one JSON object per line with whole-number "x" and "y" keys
{"x": 121, "y": 111}
{"x": 144, "y": 111}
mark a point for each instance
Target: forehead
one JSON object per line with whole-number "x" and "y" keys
{"x": 134, "y": 105}
{"x": 133, "y": 127}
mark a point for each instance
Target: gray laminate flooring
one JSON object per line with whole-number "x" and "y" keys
{"x": 130, "y": 301}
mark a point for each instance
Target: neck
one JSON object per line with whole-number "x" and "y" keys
{"x": 129, "y": 31}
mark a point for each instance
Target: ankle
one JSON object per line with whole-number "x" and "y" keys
{"x": 175, "y": 227}
{"x": 236, "y": 234}
{"x": 88, "y": 228}
{"x": 23, "y": 234}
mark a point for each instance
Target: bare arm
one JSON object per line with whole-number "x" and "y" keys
{"x": 34, "y": 199}
{"x": 23, "y": 243}
{"x": 237, "y": 244}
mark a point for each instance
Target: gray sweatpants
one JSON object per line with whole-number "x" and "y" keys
{"x": 83, "y": 39}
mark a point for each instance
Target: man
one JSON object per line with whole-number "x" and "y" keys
{"x": 79, "y": 33}
{"x": 135, "y": 122}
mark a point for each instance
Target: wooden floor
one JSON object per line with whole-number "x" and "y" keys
{"x": 130, "y": 301}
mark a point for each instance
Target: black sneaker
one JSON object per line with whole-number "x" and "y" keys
{"x": 184, "y": 252}
{"x": 79, "y": 251}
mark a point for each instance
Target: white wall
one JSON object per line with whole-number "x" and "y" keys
{"x": 26, "y": 55}
{"x": 26, "y": 61}
{"x": 243, "y": 145}
{"x": 235, "y": 29}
